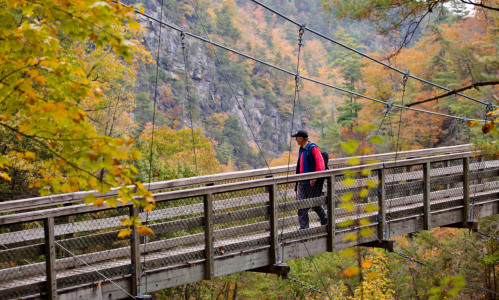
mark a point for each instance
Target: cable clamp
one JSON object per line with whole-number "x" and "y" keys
{"x": 297, "y": 80}
{"x": 388, "y": 108}
{"x": 300, "y": 33}
{"x": 488, "y": 108}
{"x": 182, "y": 38}
{"x": 404, "y": 80}
{"x": 463, "y": 121}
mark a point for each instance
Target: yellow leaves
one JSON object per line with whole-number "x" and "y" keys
{"x": 350, "y": 272}
{"x": 363, "y": 193}
{"x": 5, "y": 176}
{"x": 149, "y": 208}
{"x": 79, "y": 71}
{"x": 353, "y": 161}
{"x": 348, "y": 206}
{"x": 345, "y": 223}
{"x": 124, "y": 233}
{"x": 472, "y": 123}
{"x": 371, "y": 208}
{"x": 346, "y": 197}
{"x": 29, "y": 155}
{"x": 371, "y": 183}
{"x": 372, "y": 275}
{"x": 349, "y": 181}
{"x": 5, "y": 117}
{"x": 365, "y": 232}
{"x": 348, "y": 252}
{"x": 135, "y": 154}
{"x": 350, "y": 237}
{"x": 145, "y": 231}
{"x": 364, "y": 222}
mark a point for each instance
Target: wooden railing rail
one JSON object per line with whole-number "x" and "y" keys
{"x": 54, "y": 200}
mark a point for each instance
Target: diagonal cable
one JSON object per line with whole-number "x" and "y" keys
{"x": 363, "y": 54}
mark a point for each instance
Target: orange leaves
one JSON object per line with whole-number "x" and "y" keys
{"x": 350, "y": 272}
{"x": 145, "y": 231}
{"x": 124, "y": 233}
{"x": 472, "y": 123}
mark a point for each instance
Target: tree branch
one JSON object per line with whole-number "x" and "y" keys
{"x": 471, "y": 86}
{"x": 480, "y": 5}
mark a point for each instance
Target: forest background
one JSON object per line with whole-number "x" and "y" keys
{"x": 455, "y": 46}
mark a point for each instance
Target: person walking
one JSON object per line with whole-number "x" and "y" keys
{"x": 309, "y": 160}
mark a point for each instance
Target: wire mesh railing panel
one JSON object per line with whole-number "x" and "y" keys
{"x": 404, "y": 191}
{"x": 22, "y": 257}
{"x": 446, "y": 184}
{"x": 178, "y": 237}
{"x": 241, "y": 220}
{"x": 484, "y": 178}
{"x": 353, "y": 194}
{"x": 93, "y": 238}
{"x": 302, "y": 206}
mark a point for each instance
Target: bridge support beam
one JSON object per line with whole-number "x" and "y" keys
{"x": 471, "y": 225}
{"x": 426, "y": 196}
{"x": 48, "y": 224}
{"x": 208, "y": 231}
{"x": 383, "y": 244}
{"x": 281, "y": 270}
{"x": 331, "y": 211}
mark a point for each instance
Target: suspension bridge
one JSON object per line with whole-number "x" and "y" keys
{"x": 56, "y": 247}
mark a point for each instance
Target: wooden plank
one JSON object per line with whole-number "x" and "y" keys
{"x": 50, "y": 267}
{"x": 331, "y": 209}
{"x": 382, "y": 204}
{"x": 274, "y": 243}
{"x": 208, "y": 229}
{"x": 426, "y": 196}
{"x": 135, "y": 253}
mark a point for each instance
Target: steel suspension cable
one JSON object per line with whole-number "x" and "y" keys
{"x": 182, "y": 37}
{"x": 143, "y": 268}
{"x": 363, "y": 54}
{"x": 289, "y": 72}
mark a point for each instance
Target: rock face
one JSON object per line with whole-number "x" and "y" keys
{"x": 204, "y": 74}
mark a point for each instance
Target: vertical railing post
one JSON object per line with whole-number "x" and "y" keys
{"x": 331, "y": 212}
{"x": 48, "y": 225}
{"x": 426, "y": 196}
{"x": 135, "y": 252}
{"x": 274, "y": 217}
{"x": 447, "y": 165}
{"x": 466, "y": 189}
{"x": 208, "y": 231}
{"x": 382, "y": 204}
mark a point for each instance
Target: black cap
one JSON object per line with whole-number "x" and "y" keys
{"x": 301, "y": 133}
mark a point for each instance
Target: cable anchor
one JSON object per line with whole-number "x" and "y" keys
{"x": 300, "y": 33}
{"x": 404, "y": 80}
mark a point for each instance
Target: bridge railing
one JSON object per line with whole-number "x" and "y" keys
{"x": 66, "y": 245}
{"x": 77, "y": 198}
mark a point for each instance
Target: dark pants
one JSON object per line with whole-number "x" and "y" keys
{"x": 306, "y": 191}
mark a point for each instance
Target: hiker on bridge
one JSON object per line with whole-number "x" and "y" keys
{"x": 310, "y": 159}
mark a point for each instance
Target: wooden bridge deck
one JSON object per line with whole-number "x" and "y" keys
{"x": 243, "y": 219}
